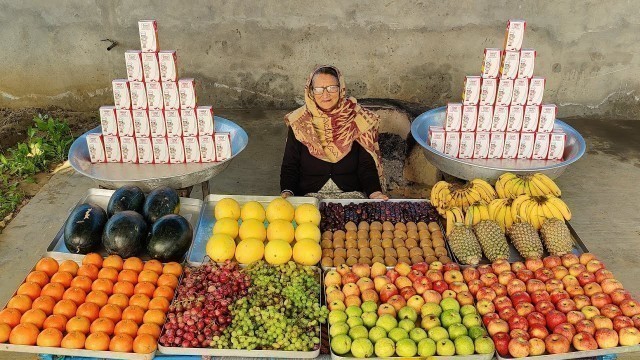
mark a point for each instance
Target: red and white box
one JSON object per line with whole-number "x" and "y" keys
{"x": 160, "y": 150}
{"x": 133, "y": 59}
{"x": 488, "y": 91}
{"x": 125, "y": 122}
{"x": 510, "y": 63}
{"x": 138, "y": 95}
{"x": 148, "y": 35}
{"x": 206, "y": 125}
{"x": 500, "y": 118}
{"x": 505, "y": 92}
{"x": 485, "y": 118}
{"x": 150, "y": 67}
{"x": 516, "y": 117}
{"x": 471, "y": 93}
{"x": 129, "y": 150}
{"x": 525, "y": 149}
{"x": 453, "y": 118}
{"x": 452, "y": 143}
{"x": 548, "y": 113}
{"x": 527, "y": 63}
{"x": 469, "y": 118}
{"x": 188, "y": 97}
{"x": 531, "y": 116}
{"x": 145, "y": 150}
{"x": 157, "y": 124}
{"x": 481, "y": 149}
{"x": 467, "y": 145}
{"x": 155, "y": 100}
{"x": 171, "y": 95}
{"x": 496, "y": 145}
{"x": 189, "y": 122}
{"x": 541, "y": 146}
{"x": 173, "y": 123}
{"x": 514, "y": 35}
{"x": 112, "y": 149}
{"x": 207, "y": 149}
{"x": 168, "y": 61}
{"x": 520, "y": 91}
{"x": 108, "y": 120}
{"x": 536, "y": 90}
{"x": 556, "y": 146}
{"x": 176, "y": 150}
{"x": 96, "y": 148}
{"x": 511, "y": 144}
{"x": 141, "y": 123}
{"x": 191, "y": 149}
{"x": 437, "y": 138}
{"x": 121, "y": 97}
{"x": 223, "y": 146}
{"x": 491, "y": 63}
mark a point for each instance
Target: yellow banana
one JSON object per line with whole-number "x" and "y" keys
{"x": 555, "y": 190}
{"x": 473, "y": 196}
{"x": 484, "y": 212}
{"x": 450, "y": 221}
{"x": 523, "y": 211}
{"x": 485, "y": 189}
{"x": 546, "y": 211}
{"x": 500, "y": 217}
{"x": 459, "y": 217}
{"x": 553, "y": 210}
{"x": 435, "y": 190}
{"x": 508, "y": 219}
{"x": 544, "y": 189}
{"x": 515, "y": 206}
{"x": 500, "y": 189}
{"x": 509, "y": 187}
{"x": 495, "y": 206}
{"x": 561, "y": 205}
{"x": 533, "y": 215}
{"x": 501, "y": 183}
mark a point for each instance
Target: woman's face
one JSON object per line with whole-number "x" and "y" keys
{"x": 325, "y": 100}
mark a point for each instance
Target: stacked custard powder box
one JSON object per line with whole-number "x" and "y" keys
{"x": 155, "y": 118}
{"x": 501, "y": 115}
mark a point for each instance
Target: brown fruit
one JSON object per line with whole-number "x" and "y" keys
{"x": 351, "y": 260}
{"x": 410, "y": 243}
{"x": 437, "y": 243}
{"x": 444, "y": 259}
{"x": 422, "y": 225}
{"x": 340, "y": 253}
{"x": 387, "y": 234}
{"x": 338, "y": 260}
{"x": 398, "y": 243}
{"x": 377, "y": 242}
{"x": 390, "y": 252}
{"x": 417, "y": 259}
{"x": 405, "y": 260}
{"x": 413, "y": 234}
{"x": 429, "y": 259}
{"x": 433, "y": 227}
{"x": 428, "y": 251}
{"x": 375, "y": 235}
{"x": 339, "y": 234}
{"x": 400, "y": 234}
{"x": 401, "y": 226}
{"x": 376, "y": 225}
{"x": 376, "y": 259}
{"x": 327, "y": 253}
{"x": 412, "y": 226}
{"x": 327, "y": 235}
{"x": 353, "y": 252}
{"x": 390, "y": 261}
{"x": 363, "y": 235}
{"x": 351, "y": 235}
{"x": 338, "y": 243}
{"x": 416, "y": 251}
{"x": 366, "y": 253}
{"x": 351, "y": 244}
{"x": 363, "y": 243}
{"x": 387, "y": 243}
{"x": 424, "y": 234}
{"x": 426, "y": 243}
{"x": 402, "y": 252}
{"x": 363, "y": 225}
{"x": 364, "y": 260}
{"x": 326, "y": 244}
{"x": 440, "y": 251}
{"x": 387, "y": 225}
{"x": 326, "y": 262}
{"x": 377, "y": 251}
{"x": 350, "y": 226}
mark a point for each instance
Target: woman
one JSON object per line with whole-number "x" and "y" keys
{"x": 332, "y": 146}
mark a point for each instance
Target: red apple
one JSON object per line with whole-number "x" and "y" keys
{"x": 421, "y": 284}
{"x": 619, "y": 295}
{"x": 386, "y": 309}
{"x": 536, "y": 347}
{"x": 559, "y": 272}
{"x": 525, "y": 275}
{"x": 544, "y": 307}
{"x": 352, "y": 300}
{"x": 500, "y": 289}
{"x": 566, "y": 305}
{"x": 335, "y": 295}
{"x": 397, "y": 301}
{"x": 602, "y": 274}
{"x": 458, "y": 286}
{"x": 501, "y": 341}
{"x": 362, "y": 270}
{"x": 332, "y": 288}
{"x": 507, "y": 313}
{"x": 387, "y": 292}
{"x": 343, "y": 269}
{"x": 370, "y": 295}
{"x": 574, "y": 290}
{"x": 497, "y": 325}
{"x": 505, "y": 277}
{"x": 393, "y": 275}
{"x": 577, "y": 269}
{"x": 610, "y": 285}
{"x": 574, "y": 316}
{"x": 557, "y": 344}
{"x": 536, "y": 318}
{"x": 590, "y": 311}
{"x": 554, "y": 284}
{"x": 486, "y": 293}
{"x": 524, "y": 308}
{"x": 349, "y": 278}
{"x": 586, "y": 278}
{"x": 365, "y": 284}
{"x": 606, "y": 338}
{"x": 602, "y": 322}
{"x": 407, "y": 292}
{"x": 432, "y": 296}
{"x": 584, "y": 341}
{"x": 485, "y": 269}
{"x": 630, "y": 307}
{"x": 488, "y": 279}
{"x": 464, "y": 298}
{"x": 611, "y": 311}
{"x": 502, "y": 302}
{"x": 565, "y": 329}
{"x": 378, "y": 269}
{"x": 586, "y": 257}
{"x": 440, "y": 286}
{"x": 519, "y": 333}
{"x": 414, "y": 274}
{"x": 600, "y": 299}
{"x": 470, "y": 273}
{"x": 538, "y": 331}
{"x": 436, "y": 265}
{"x": 402, "y": 282}
{"x": 449, "y": 294}
{"x": 519, "y": 347}
{"x": 351, "y": 289}
{"x": 629, "y": 336}
{"x": 544, "y": 274}
{"x": 636, "y": 321}
{"x": 453, "y": 276}
{"x": 450, "y": 266}
{"x": 520, "y": 297}
{"x": 534, "y": 285}
{"x": 500, "y": 265}
{"x": 555, "y": 318}
{"x": 594, "y": 265}
{"x": 332, "y": 277}
{"x": 538, "y": 296}
{"x": 592, "y": 288}
{"x": 557, "y": 295}
{"x": 486, "y": 318}
{"x": 534, "y": 264}
{"x": 402, "y": 268}
{"x": 551, "y": 261}
{"x": 380, "y": 281}
{"x": 518, "y": 322}
{"x": 416, "y": 302}
{"x": 569, "y": 259}
{"x": 570, "y": 280}
{"x": 423, "y": 267}
{"x": 485, "y": 306}
{"x": 474, "y": 286}
{"x": 517, "y": 266}
{"x": 434, "y": 275}
{"x": 582, "y": 301}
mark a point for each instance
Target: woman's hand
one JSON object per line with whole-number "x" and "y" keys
{"x": 378, "y": 195}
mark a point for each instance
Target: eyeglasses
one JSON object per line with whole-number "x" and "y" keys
{"x": 331, "y": 89}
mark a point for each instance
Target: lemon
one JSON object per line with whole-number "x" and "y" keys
{"x": 307, "y": 213}
{"x": 277, "y": 252}
{"x": 308, "y": 231}
{"x": 227, "y": 226}
{"x": 280, "y": 209}
{"x": 307, "y": 252}
{"x": 227, "y": 207}
{"x": 252, "y": 228}
{"x": 221, "y": 247}
{"x": 249, "y": 250}
{"x": 252, "y": 210}
{"x": 280, "y": 230}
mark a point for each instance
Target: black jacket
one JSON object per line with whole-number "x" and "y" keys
{"x": 303, "y": 173}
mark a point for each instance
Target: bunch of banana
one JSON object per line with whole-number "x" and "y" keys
{"x": 510, "y": 185}
{"x": 536, "y": 209}
{"x": 445, "y": 195}
{"x": 476, "y": 213}
{"x": 453, "y": 215}
{"x": 500, "y": 212}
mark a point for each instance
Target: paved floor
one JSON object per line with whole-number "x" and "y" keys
{"x": 601, "y": 190}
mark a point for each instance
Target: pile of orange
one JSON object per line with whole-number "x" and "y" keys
{"x": 102, "y": 304}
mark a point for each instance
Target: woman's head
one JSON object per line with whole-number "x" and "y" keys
{"x": 325, "y": 88}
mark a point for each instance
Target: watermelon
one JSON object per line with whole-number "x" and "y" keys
{"x": 125, "y": 234}
{"x": 160, "y": 202}
{"x": 83, "y": 228}
{"x": 126, "y": 198}
{"x": 170, "y": 239}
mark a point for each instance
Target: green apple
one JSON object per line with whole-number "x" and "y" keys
{"x": 353, "y": 311}
{"x": 444, "y": 347}
{"x": 408, "y": 312}
{"x": 438, "y": 333}
{"x": 337, "y": 316}
{"x": 341, "y": 344}
{"x": 406, "y": 348}
{"x": 448, "y": 304}
{"x": 449, "y": 317}
{"x": 417, "y": 334}
{"x": 426, "y": 347}
{"x": 359, "y": 332}
{"x": 484, "y": 345}
{"x": 385, "y": 347}
{"x": 355, "y": 321}
{"x": 376, "y": 333}
{"x": 464, "y": 345}
{"x": 369, "y": 306}
{"x": 369, "y": 319}
{"x": 362, "y": 348}
{"x": 476, "y": 331}
{"x": 407, "y": 324}
{"x": 455, "y": 331}
{"x": 468, "y": 309}
{"x": 471, "y": 320}
{"x": 398, "y": 334}
{"x": 340, "y": 328}
{"x": 430, "y": 309}
{"x": 387, "y": 322}
{"x": 429, "y": 322}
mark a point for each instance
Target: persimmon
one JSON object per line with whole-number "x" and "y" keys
{"x": 121, "y": 343}
{"x": 104, "y": 325}
{"x": 29, "y": 288}
{"x": 93, "y": 259}
{"x": 49, "y": 337}
{"x": 24, "y": 334}
{"x": 69, "y": 266}
{"x": 126, "y": 326}
{"x": 133, "y": 263}
{"x": 144, "y": 344}
{"x": 63, "y": 278}
{"x": 113, "y": 261}
{"x": 35, "y": 317}
{"x": 97, "y": 341}
{"x": 48, "y": 265}
{"x": 172, "y": 268}
{"x": 73, "y": 340}
{"x": 153, "y": 265}
{"x": 55, "y": 321}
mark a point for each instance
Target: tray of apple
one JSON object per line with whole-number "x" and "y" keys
{"x": 418, "y": 311}
{"x": 558, "y": 307}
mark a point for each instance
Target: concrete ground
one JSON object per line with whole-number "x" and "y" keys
{"x": 600, "y": 190}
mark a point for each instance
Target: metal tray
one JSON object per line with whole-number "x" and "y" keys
{"x": 206, "y": 221}
{"x": 586, "y": 354}
{"x": 189, "y": 209}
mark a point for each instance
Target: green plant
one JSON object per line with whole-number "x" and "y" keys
{"x": 10, "y": 196}
{"x": 57, "y": 137}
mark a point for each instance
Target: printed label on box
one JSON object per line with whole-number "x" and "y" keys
{"x": 155, "y": 100}
{"x": 128, "y": 150}
{"x": 525, "y": 150}
{"x": 510, "y": 63}
{"x": 150, "y": 67}
{"x": 467, "y": 145}
{"x": 541, "y": 146}
{"x": 556, "y": 146}
{"x": 173, "y": 123}
{"x": 168, "y": 65}
{"x": 452, "y": 143}
{"x": 520, "y": 91}
{"x": 511, "y": 144}
{"x": 548, "y": 113}
{"x": 96, "y": 148}
{"x": 189, "y": 122}
{"x": 171, "y": 95}
{"x": 496, "y": 145}
{"x": 121, "y": 97}
{"x": 188, "y": 98}
{"x": 205, "y": 117}
{"x": 145, "y": 150}
{"x": 488, "y": 91}
{"x": 536, "y": 90}
{"x": 527, "y": 63}
{"x": 223, "y": 146}
{"x": 191, "y": 149}
{"x": 491, "y": 63}
{"x": 157, "y": 124}
{"x": 531, "y": 115}
{"x": 141, "y": 123}
{"x": 112, "y": 148}
{"x": 133, "y": 59}
{"x": 469, "y": 118}
{"x": 176, "y": 151}
{"x": 148, "y": 35}
{"x": 485, "y": 118}
{"x": 505, "y": 92}
{"x": 138, "y": 95}
{"x": 437, "y": 139}
{"x": 207, "y": 149}
{"x": 160, "y": 150}
{"x": 125, "y": 122}
{"x": 471, "y": 94}
{"x": 515, "y": 34}
{"x": 481, "y": 149}
{"x": 500, "y": 118}
{"x": 516, "y": 116}
{"x": 453, "y": 118}
{"x": 108, "y": 120}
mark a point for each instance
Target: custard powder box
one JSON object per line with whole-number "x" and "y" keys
{"x": 108, "y": 120}
{"x": 189, "y": 122}
{"x": 556, "y": 146}
{"x": 129, "y": 150}
{"x": 485, "y": 118}
{"x": 121, "y": 97}
{"x": 527, "y": 63}
{"x": 514, "y": 35}
{"x": 207, "y": 149}
{"x": 452, "y": 144}
{"x": 520, "y": 91}
{"x": 176, "y": 150}
{"x": 491, "y": 63}
{"x": 541, "y": 146}
{"x": 191, "y": 149}
{"x": 138, "y": 95}
{"x": 505, "y": 91}
{"x": 471, "y": 94}
{"x": 173, "y": 123}
{"x": 516, "y": 117}
{"x": 155, "y": 100}
{"x": 467, "y": 145}
{"x": 531, "y": 116}
{"x": 157, "y": 124}
{"x": 536, "y": 90}
{"x": 171, "y": 95}
{"x": 525, "y": 150}
{"x": 96, "y": 148}
{"x": 496, "y": 145}
{"x": 488, "y": 91}
{"x": 187, "y": 89}
{"x": 150, "y": 67}
{"x": 141, "y": 123}
{"x": 168, "y": 65}
{"x": 206, "y": 125}
{"x": 481, "y": 149}
{"x": 148, "y": 35}
{"x": 125, "y": 122}
{"x": 437, "y": 138}
{"x": 133, "y": 59}
{"x": 548, "y": 113}
{"x": 510, "y": 63}
{"x": 453, "y": 118}
{"x": 160, "y": 150}
{"x": 112, "y": 148}
{"x": 469, "y": 118}
{"x": 223, "y": 146}
{"x": 500, "y": 118}
{"x": 511, "y": 145}
{"x": 145, "y": 150}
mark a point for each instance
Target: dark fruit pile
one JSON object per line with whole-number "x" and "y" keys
{"x": 335, "y": 216}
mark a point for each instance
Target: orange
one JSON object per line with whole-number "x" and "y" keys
{"x": 55, "y": 321}
{"x": 121, "y": 343}
{"x": 10, "y": 317}
{"x": 121, "y": 300}
{"x": 24, "y": 334}
{"x": 140, "y": 300}
{"x": 5, "y": 331}
{"x": 133, "y": 312}
{"x": 168, "y": 280}
{"x": 93, "y": 258}
{"x": 73, "y": 340}
{"x": 126, "y": 326}
{"x": 98, "y": 341}
{"x": 20, "y": 302}
{"x": 104, "y": 285}
{"x": 88, "y": 310}
{"x": 144, "y": 344}
{"x": 69, "y": 266}
{"x": 153, "y": 265}
{"x": 30, "y": 288}
{"x": 65, "y": 307}
{"x": 114, "y": 261}
{"x": 111, "y": 311}
{"x": 89, "y": 270}
{"x": 75, "y": 294}
{"x": 148, "y": 276}
{"x": 49, "y": 337}
{"x": 159, "y": 303}
{"x": 78, "y": 323}
{"x": 172, "y": 268}
{"x": 97, "y": 297}
{"x": 128, "y": 275}
{"x": 102, "y": 325}
{"x": 108, "y": 273}
{"x": 133, "y": 263}
{"x": 154, "y": 316}
{"x": 48, "y": 265}
{"x": 82, "y": 282}
{"x": 44, "y": 303}
{"x": 35, "y": 317}
{"x": 151, "y": 329}
{"x": 163, "y": 291}
{"x": 63, "y": 278}
{"x": 123, "y": 287}
{"x": 55, "y": 290}
{"x": 144, "y": 287}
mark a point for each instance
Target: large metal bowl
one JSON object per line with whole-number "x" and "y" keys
{"x": 491, "y": 169}
{"x": 150, "y": 176}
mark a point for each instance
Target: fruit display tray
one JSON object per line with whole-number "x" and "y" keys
{"x": 60, "y": 256}
{"x": 210, "y": 352}
{"x": 189, "y": 209}
{"x": 586, "y": 354}
{"x": 207, "y": 220}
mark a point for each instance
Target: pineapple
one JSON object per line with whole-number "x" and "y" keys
{"x": 491, "y": 238}
{"x": 464, "y": 245}
{"x": 556, "y": 236}
{"x": 526, "y": 240}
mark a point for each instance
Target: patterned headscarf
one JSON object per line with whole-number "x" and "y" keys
{"x": 346, "y": 123}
